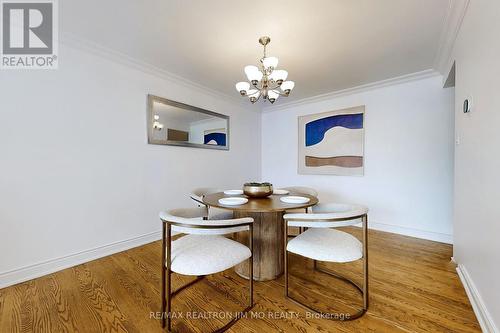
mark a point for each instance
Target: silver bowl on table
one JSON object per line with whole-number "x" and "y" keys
{"x": 258, "y": 190}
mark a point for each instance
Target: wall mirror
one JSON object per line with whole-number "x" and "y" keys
{"x": 178, "y": 124}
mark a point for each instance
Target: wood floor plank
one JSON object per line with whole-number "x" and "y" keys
{"x": 99, "y": 303}
{"x": 413, "y": 288}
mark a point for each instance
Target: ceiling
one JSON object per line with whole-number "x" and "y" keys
{"x": 326, "y": 45}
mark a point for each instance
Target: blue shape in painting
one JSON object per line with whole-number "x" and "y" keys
{"x": 220, "y": 138}
{"x": 315, "y": 130}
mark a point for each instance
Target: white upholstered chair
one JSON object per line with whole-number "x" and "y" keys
{"x": 203, "y": 250}
{"x": 213, "y": 213}
{"x": 322, "y": 242}
{"x": 301, "y": 190}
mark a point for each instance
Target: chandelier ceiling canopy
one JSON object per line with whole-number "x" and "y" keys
{"x": 265, "y": 80}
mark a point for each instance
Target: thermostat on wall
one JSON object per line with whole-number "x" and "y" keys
{"x": 467, "y": 105}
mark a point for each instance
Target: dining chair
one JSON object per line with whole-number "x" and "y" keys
{"x": 202, "y": 251}
{"x": 322, "y": 242}
{"x": 302, "y": 190}
{"x": 213, "y": 213}
{"x": 299, "y": 190}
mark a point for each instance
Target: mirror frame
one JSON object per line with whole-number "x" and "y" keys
{"x": 153, "y": 98}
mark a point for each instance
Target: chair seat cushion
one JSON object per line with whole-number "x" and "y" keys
{"x": 204, "y": 255}
{"x": 326, "y": 245}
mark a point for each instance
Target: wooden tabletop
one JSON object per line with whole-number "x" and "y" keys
{"x": 270, "y": 204}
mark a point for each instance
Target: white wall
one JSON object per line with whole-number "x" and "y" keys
{"x": 76, "y": 172}
{"x": 477, "y": 160}
{"x": 408, "y": 156}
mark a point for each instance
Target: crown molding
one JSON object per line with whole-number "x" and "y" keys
{"x": 99, "y": 50}
{"x": 88, "y": 46}
{"x": 349, "y": 91}
{"x": 453, "y": 21}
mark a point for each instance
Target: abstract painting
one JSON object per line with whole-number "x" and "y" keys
{"x": 215, "y": 137}
{"x": 332, "y": 143}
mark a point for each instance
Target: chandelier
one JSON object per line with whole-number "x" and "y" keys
{"x": 265, "y": 81}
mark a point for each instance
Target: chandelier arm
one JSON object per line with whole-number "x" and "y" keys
{"x": 256, "y": 85}
{"x": 278, "y": 90}
{"x": 258, "y": 97}
{"x": 282, "y": 93}
{"x": 275, "y": 87}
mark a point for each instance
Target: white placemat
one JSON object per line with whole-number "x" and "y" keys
{"x": 233, "y": 192}
{"x": 281, "y": 192}
{"x": 236, "y": 201}
{"x": 295, "y": 199}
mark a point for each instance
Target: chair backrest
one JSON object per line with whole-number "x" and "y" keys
{"x": 198, "y": 193}
{"x": 302, "y": 190}
{"x": 189, "y": 214}
{"x": 328, "y": 215}
{"x": 190, "y": 221}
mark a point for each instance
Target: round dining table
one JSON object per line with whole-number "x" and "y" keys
{"x": 268, "y": 231}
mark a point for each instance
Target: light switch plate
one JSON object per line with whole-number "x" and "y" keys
{"x": 468, "y": 104}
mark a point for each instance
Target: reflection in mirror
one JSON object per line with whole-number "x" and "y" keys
{"x": 174, "y": 123}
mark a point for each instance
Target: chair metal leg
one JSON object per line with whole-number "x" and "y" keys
{"x": 301, "y": 229}
{"x": 163, "y": 300}
{"x": 250, "y": 241}
{"x": 336, "y": 316}
{"x": 285, "y": 259}
{"x": 169, "y": 278}
{"x": 198, "y": 279}
{"x": 365, "y": 262}
{"x": 363, "y": 290}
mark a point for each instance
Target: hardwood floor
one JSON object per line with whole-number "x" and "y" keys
{"x": 413, "y": 288}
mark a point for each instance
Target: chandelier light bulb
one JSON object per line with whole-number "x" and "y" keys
{"x": 255, "y": 77}
{"x": 251, "y": 71}
{"x": 242, "y": 87}
{"x": 287, "y": 86}
{"x": 258, "y": 76}
{"x": 254, "y": 95}
{"x": 272, "y": 95}
{"x": 279, "y": 75}
{"x": 270, "y": 62}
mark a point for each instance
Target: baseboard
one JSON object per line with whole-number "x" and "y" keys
{"x": 417, "y": 233}
{"x": 483, "y": 316}
{"x": 50, "y": 266}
